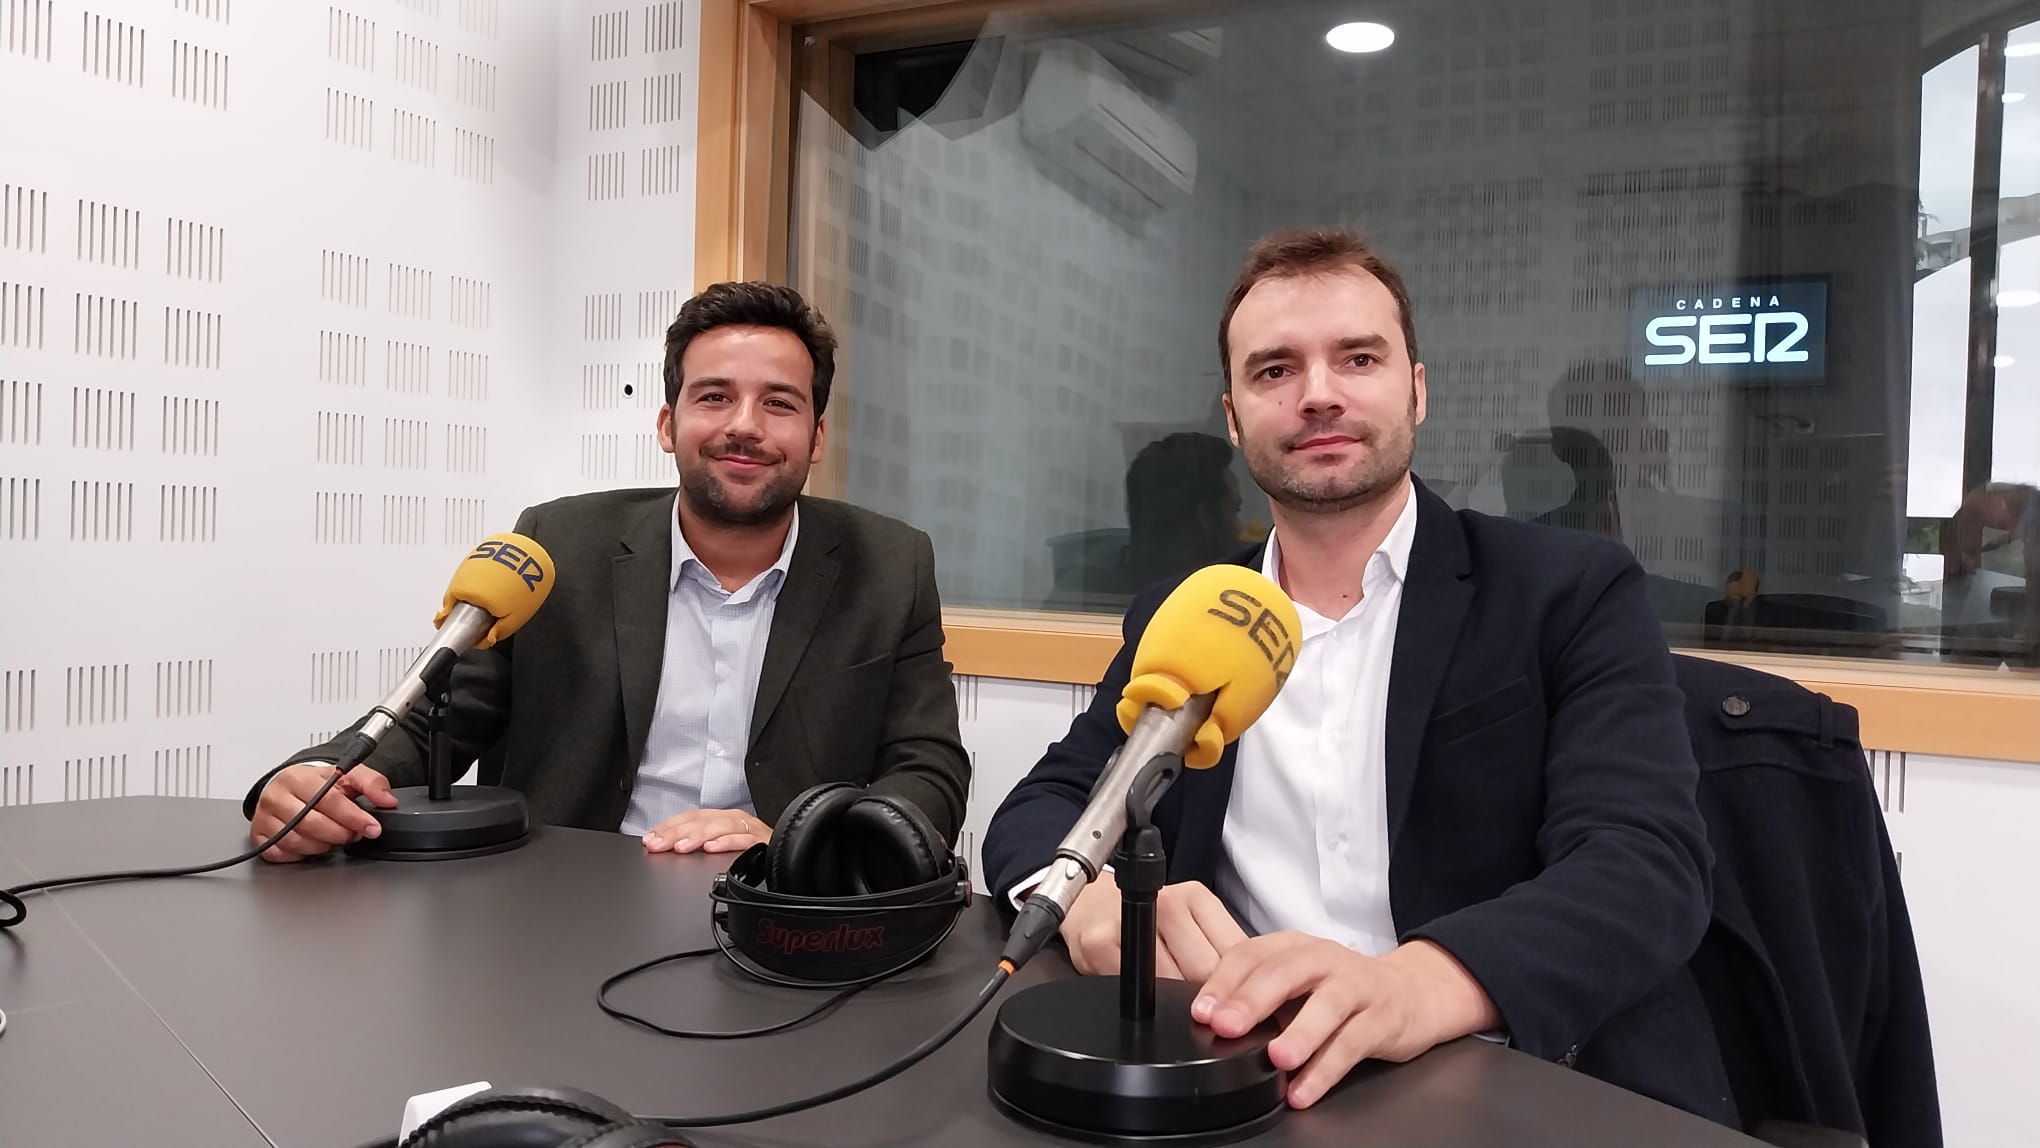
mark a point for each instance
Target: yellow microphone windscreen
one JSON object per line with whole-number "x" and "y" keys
{"x": 508, "y": 575}
{"x": 1226, "y": 630}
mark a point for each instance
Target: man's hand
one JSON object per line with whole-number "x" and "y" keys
{"x": 708, "y": 830}
{"x": 336, "y": 821}
{"x": 1395, "y": 1007}
{"x": 1193, "y": 930}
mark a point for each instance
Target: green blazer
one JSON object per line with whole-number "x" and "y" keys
{"x": 853, "y": 686}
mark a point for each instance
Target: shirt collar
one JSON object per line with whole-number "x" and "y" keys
{"x": 1393, "y": 554}
{"x": 685, "y": 560}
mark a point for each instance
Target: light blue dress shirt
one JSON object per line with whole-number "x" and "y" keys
{"x": 701, "y": 727}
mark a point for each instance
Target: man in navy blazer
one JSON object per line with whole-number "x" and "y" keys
{"x": 1472, "y": 808}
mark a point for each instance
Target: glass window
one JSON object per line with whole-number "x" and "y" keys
{"x": 1690, "y": 273}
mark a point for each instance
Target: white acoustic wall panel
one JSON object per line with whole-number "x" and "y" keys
{"x": 625, "y": 187}
{"x": 1006, "y": 725}
{"x": 1963, "y": 829}
{"x": 277, "y": 283}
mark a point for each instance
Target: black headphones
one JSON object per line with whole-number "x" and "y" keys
{"x": 853, "y": 887}
{"x": 539, "y": 1118}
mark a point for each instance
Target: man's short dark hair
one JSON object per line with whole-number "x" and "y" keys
{"x": 1311, "y": 251}
{"x": 1171, "y": 479}
{"x": 753, "y": 305}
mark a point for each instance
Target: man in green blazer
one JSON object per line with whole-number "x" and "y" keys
{"x": 705, "y": 656}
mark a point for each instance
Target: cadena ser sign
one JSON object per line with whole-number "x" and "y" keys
{"x": 1762, "y": 331}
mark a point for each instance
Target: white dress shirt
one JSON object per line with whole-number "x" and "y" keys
{"x": 1305, "y": 842}
{"x": 708, "y": 684}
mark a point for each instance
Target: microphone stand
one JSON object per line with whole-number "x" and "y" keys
{"x": 439, "y": 821}
{"x": 1068, "y": 1058}
{"x": 1142, "y": 869}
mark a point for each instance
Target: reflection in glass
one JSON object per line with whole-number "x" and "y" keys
{"x": 1994, "y": 552}
{"x": 1182, "y": 512}
{"x": 1940, "y": 318}
{"x": 1676, "y": 283}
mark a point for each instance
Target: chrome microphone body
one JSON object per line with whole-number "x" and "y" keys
{"x": 1089, "y": 844}
{"x": 464, "y": 626}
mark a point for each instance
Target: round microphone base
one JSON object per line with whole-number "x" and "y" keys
{"x": 1063, "y": 1061}
{"x": 476, "y": 821}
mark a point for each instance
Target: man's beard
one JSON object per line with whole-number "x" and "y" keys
{"x": 1388, "y": 452}
{"x": 721, "y": 503}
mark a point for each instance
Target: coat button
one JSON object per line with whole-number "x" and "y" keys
{"x": 1735, "y": 706}
{"x": 623, "y": 783}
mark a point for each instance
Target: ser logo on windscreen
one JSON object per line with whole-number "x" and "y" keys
{"x": 511, "y": 555}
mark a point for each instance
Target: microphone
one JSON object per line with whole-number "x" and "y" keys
{"x": 1211, "y": 660}
{"x": 495, "y": 590}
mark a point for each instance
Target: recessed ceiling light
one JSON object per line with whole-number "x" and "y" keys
{"x": 2003, "y": 361}
{"x": 2018, "y": 298}
{"x": 1363, "y": 36}
{"x": 2014, "y": 97}
{"x": 2028, "y": 49}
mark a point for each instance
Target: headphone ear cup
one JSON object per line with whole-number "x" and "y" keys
{"x": 887, "y": 843}
{"x": 518, "y": 1118}
{"x": 635, "y": 1134}
{"x": 802, "y": 859}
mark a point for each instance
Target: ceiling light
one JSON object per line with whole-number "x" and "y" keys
{"x": 2017, "y": 298}
{"x": 1360, "y": 37}
{"x": 2003, "y": 361}
{"x": 2031, "y": 48}
{"x": 2014, "y": 97}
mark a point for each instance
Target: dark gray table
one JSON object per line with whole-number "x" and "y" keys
{"x": 301, "y": 1005}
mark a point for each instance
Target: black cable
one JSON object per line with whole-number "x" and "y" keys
{"x": 11, "y": 899}
{"x": 920, "y": 1052}
{"x": 602, "y": 1002}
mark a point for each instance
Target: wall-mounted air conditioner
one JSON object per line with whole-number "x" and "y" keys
{"x": 1166, "y": 54}
{"x": 1081, "y": 116}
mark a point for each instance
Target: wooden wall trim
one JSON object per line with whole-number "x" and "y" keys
{"x": 743, "y": 141}
{"x": 1935, "y": 710}
{"x": 803, "y": 11}
{"x": 744, "y": 162}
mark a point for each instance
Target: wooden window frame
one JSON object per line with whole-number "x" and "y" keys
{"x": 745, "y": 153}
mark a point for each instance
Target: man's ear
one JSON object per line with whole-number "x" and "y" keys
{"x": 1232, "y": 422}
{"x": 821, "y": 434}
{"x": 1421, "y": 399}
{"x": 666, "y": 442}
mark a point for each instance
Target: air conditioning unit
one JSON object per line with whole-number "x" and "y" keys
{"x": 1080, "y": 115}
{"x": 1163, "y": 54}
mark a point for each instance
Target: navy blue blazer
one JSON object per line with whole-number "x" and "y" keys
{"x": 1542, "y": 816}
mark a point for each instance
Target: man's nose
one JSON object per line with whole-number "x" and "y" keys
{"x": 746, "y": 422}
{"x": 1320, "y": 397}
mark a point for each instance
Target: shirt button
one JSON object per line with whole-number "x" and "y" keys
{"x": 715, "y": 749}
{"x": 722, "y": 669}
